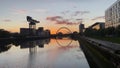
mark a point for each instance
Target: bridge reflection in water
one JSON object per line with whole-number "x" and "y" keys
{"x": 48, "y": 54}
{"x": 44, "y": 54}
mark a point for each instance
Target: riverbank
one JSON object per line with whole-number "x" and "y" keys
{"x": 94, "y": 56}
{"x": 21, "y": 38}
{"x": 110, "y": 39}
{"x": 107, "y": 49}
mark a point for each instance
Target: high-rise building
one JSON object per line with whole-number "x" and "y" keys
{"x": 81, "y": 28}
{"x": 112, "y": 15}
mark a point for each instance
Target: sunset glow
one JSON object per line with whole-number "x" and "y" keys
{"x": 51, "y": 14}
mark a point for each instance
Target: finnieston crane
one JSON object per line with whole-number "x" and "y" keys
{"x": 32, "y": 25}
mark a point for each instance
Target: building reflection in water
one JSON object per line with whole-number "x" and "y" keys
{"x": 32, "y": 54}
{"x": 32, "y": 45}
{"x": 4, "y": 46}
{"x": 52, "y": 56}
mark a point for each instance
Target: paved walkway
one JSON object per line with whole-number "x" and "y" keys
{"x": 105, "y": 44}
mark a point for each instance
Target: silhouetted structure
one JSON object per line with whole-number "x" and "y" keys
{"x": 43, "y": 33}
{"x": 4, "y": 47}
{"x": 32, "y": 44}
{"x": 24, "y": 31}
{"x": 69, "y": 31}
{"x": 40, "y": 32}
{"x": 81, "y": 28}
{"x": 40, "y": 29}
{"x": 32, "y": 25}
{"x": 97, "y": 25}
{"x": 4, "y": 33}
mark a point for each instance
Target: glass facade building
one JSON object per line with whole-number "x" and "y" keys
{"x": 112, "y": 15}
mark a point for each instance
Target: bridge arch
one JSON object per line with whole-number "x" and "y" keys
{"x": 57, "y": 40}
{"x": 63, "y": 28}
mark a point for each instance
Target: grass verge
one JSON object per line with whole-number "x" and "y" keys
{"x": 111, "y": 39}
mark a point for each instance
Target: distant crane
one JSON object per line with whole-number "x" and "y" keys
{"x": 32, "y": 25}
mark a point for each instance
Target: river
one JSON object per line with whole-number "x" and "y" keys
{"x": 47, "y": 53}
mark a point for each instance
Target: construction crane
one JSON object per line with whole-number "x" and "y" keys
{"x": 32, "y": 25}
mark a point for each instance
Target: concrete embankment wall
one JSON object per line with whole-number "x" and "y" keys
{"x": 108, "y": 49}
{"x": 95, "y": 56}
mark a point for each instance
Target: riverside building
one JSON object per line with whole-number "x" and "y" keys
{"x": 112, "y": 15}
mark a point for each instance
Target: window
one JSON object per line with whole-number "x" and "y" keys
{"x": 119, "y": 19}
{"x": 119, "y": 3}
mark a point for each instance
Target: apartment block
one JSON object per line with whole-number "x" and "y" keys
{"x": 112, "y": 15}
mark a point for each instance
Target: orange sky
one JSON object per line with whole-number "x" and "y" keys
{"x": 47, "y": 25}
{"x": 13, "y": 13}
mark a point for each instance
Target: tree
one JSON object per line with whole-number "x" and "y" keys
{"x": 117, "y": 31}
{"x": 4, "y": 33}
{"x": 110, "y": 31}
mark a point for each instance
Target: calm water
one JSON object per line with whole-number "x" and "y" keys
{"x": 62, "y": 53}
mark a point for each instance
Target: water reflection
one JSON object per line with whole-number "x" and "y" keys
{"x": 67, "y": 41}
{"x": 5, "y": 46}
{"x": 49, "y": 54}
{"x": 32, "y": 53}
{"x": 43, "y": 54}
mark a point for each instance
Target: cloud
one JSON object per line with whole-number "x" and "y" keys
{"x": 79, "y": 19}
{"x": 54, "y": 18}
{"x": 67, "y": 22}
{"x": 70, "y": 17}
{"x": 81, "y": 12}
{"x": 99, "y": 17}
{"x": 25, "y": 11}
{"x": 40, "y": 10}
{"x": 7, "y": 20}
{"x": 20, "y": 11}
{"x": 60, "y": 20}
{"x": 65, "y": 12}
